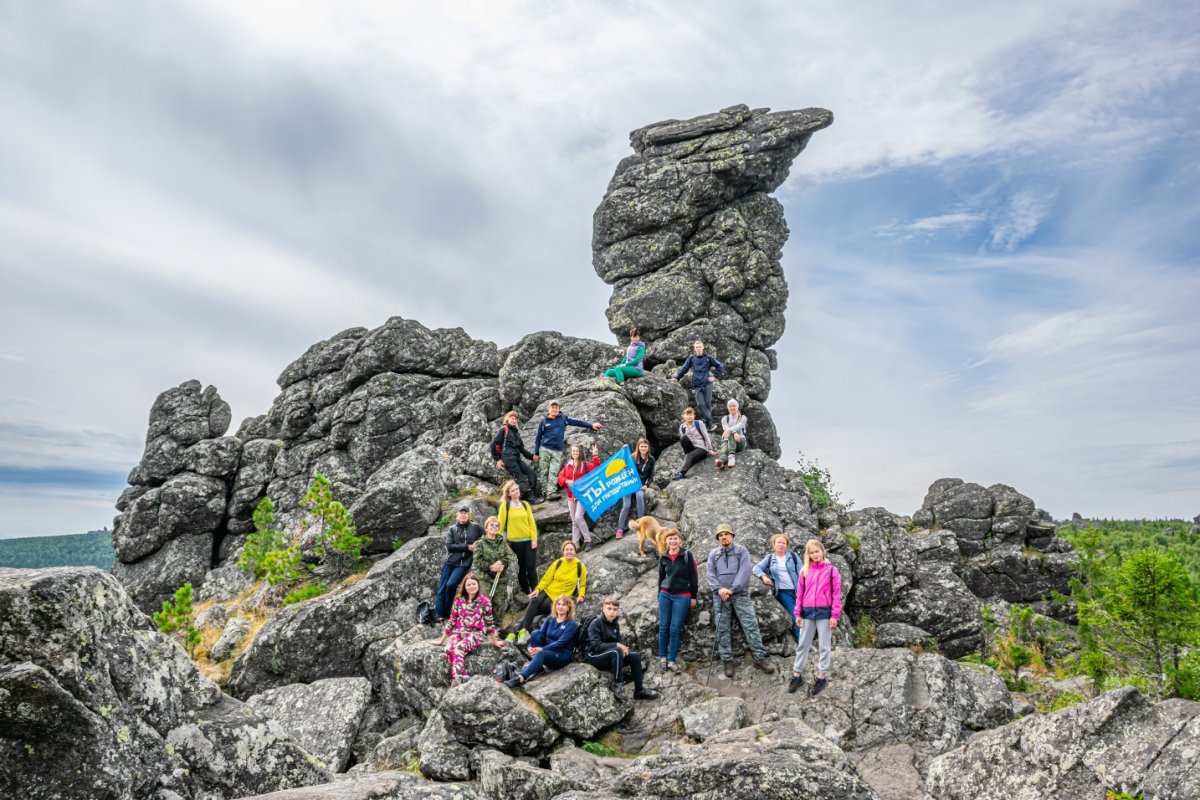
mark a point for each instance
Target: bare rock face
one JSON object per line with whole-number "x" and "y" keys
{"x": 690, "y": 240}
{"x": 85, "y": 681}
{"x": 323, "y": 716}
{"x": 1117, "y": 743}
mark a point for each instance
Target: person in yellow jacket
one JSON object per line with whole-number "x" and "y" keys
{"x": 520, "y": 531}
{"x": 566, "y": 576}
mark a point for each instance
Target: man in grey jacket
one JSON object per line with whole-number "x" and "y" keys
{"x": 729, "y": 577}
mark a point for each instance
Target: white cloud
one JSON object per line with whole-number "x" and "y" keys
{"x": 1026, "y": 211}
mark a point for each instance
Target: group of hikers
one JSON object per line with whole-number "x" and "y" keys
{"x": 473, "y": 587}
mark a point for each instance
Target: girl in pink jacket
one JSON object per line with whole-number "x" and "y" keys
{"x": 818, "y": 606}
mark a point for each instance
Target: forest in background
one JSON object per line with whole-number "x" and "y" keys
{"x": 91, "y": 549}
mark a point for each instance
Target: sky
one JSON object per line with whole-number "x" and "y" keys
{"x": 994, "y": 259}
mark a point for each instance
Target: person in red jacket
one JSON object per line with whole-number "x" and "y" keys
{"x": 572, "y": 471}
{"x": 818, "y": 606}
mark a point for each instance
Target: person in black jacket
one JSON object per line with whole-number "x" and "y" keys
{"x": 678, "y": 585}
{"x": 645, "y": 467}
{"x": 461, "y": 537}
{"x": 508, "y": 449}
{"x": 604, "y": 651}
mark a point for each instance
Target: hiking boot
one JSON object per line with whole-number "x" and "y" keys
{"x": 513, "y": 683}
{"x": 764, "y": 665}
{"x": 537, "y": 500}
{"x": 620, "y": 533}
{"x": 728, "y": 669}
{"x": 678, "y": 476}
{"x": 644, "y": 694}
{"x": 732, "y": 460}
{"x": 720, "y": 464}
{"x": 522, "y": 636}
{"x": 818, "y": 685}
{"x": 795, "y": 683}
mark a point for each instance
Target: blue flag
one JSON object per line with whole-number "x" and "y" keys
{"x": 600, "y": 489}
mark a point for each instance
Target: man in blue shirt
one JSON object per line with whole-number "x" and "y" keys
{"x": 705, "y": 371}
{"x": 551, "y": 437}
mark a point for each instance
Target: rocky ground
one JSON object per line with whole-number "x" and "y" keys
{"x": 341, "y": 696}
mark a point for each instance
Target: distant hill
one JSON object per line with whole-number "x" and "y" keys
{"x": 1119, "y": 537}
{"x": 91, "y": 549}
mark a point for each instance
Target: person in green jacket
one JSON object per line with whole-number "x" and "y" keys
{"x": 494, "y": 560}
{"x": 632, "y": 366}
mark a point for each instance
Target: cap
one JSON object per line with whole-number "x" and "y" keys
{"x": 725, "y": 527}
{"x": 465, "y": 508}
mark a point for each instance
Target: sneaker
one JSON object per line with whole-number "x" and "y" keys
{"x": 795, "y": 683}
{"x": 513, "y": 683}
{"x": 728, "y": 669}
{"x": 644, "y": 694}
{"x": 732, "y": 460}
{"x": 522, "y": 636}
{"x": 537, "y": 500}
{"x": 764, "y": 665}
{"x": 512, "y": 637}
{"x": 620, "y": 533}
{"x": 818, "y": 685}
{"x": 662, "y": 663}
{"x": 678, "y": 476}
{"x": 720, "y": 464}
{"x": 672, "y": 666}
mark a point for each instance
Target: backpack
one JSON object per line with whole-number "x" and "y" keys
{"x": 426, "y": 615}
{"x": 498, "y": 447}
{"x": 502, "y": 515}
{"x": 578, "y": 573}
{"x": 505, "y": 671}
{"x": 585, "y": 622}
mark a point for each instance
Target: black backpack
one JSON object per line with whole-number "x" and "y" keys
{"x": 581, "y": 634}
{"x": 505, "y": 671}
{"x": 426, "y": 615}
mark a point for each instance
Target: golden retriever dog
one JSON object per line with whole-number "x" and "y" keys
{"x": 648, "y": 529}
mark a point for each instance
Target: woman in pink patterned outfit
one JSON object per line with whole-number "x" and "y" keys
{"x": 470, "y": 619}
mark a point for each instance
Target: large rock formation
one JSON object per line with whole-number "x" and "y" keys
{"x": 690, "y": 239}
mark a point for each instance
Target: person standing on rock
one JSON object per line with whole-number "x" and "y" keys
{"x": 604, "y": 650}
{"x": 549, "y": 442}
{"x": 508, "y": 448}
{"x": 572, "y": 471}
{"x": 644, "y": 462}
{"x": 633, "y": 364}
{"x": 566, "y": 576}
{"x": 705, "y": 371}
{"x": 818, "y": 606}
{"x": 471, "y": 619}
{"x": 678, "y": 588}
{"x": 780, "y": 569}
{"x": 733, "y": 436}
{"x": 696, "y": 444}
{"x": 518, "y": 526}
{"x": 729, "y": 578}
{"x": 553, "y": 644}
{"x": 461, "y": 536}
{"x": 495, "y": 560}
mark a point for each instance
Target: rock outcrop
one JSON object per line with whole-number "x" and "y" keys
{"x": 94, "y": 703}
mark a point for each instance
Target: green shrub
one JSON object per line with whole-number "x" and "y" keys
{"x": 338, "y": 543}
{"x": 176, "y": 617}
{"x": 854, "y": 541}
{"x": 265, "y": 538}
{"x": 820, "y": 483}
{"x": 306, "y": 592}
{"x": 282, "y": 566}
{"x": 864, "y": 631}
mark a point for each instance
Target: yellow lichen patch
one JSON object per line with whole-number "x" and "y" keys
{"x": 219, "y": 672}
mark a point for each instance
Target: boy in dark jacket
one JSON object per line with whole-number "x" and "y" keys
{"x": 705, "y": 371}
{"x": 604, "y": 651}
{"x": 548, "y": 445}
{"x": 508, "y": 448}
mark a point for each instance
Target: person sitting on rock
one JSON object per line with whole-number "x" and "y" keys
{"x": 495, "y": 559}
{"x": 461, "y": 536}
{"x": 780, "y": 569}
{"x": 548, "y": 444}
{"x": 509, "y": 451}
{"x": 729, "y": 578}
{"x": 604, "y": 650}
{"x": 552, "y": 645}
{"x": 733, "y": 436}
{"x": 470, "y": 620}
{"x": 818, "y": 606}
{"x": 566, "y": 576}
{"x": 696, "y": 444}
{"x": 632, "y": 366}
{"x": 705, "y": 371}
{"x": 678, "y": 587}
{"x": 520, "y": 529}
{"x": 644, "y": 462}
{"x": 572, "y": 471}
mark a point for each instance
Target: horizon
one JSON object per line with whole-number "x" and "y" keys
{"x": 993, "y": 261}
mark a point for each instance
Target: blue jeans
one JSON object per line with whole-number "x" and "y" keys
{"x": 787, "y": 599}
{"x": 704, "y": 401}
{"x": 550, "y": 658}
{"x": 672, "y": 613}
{"x": 447, "y": 586}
